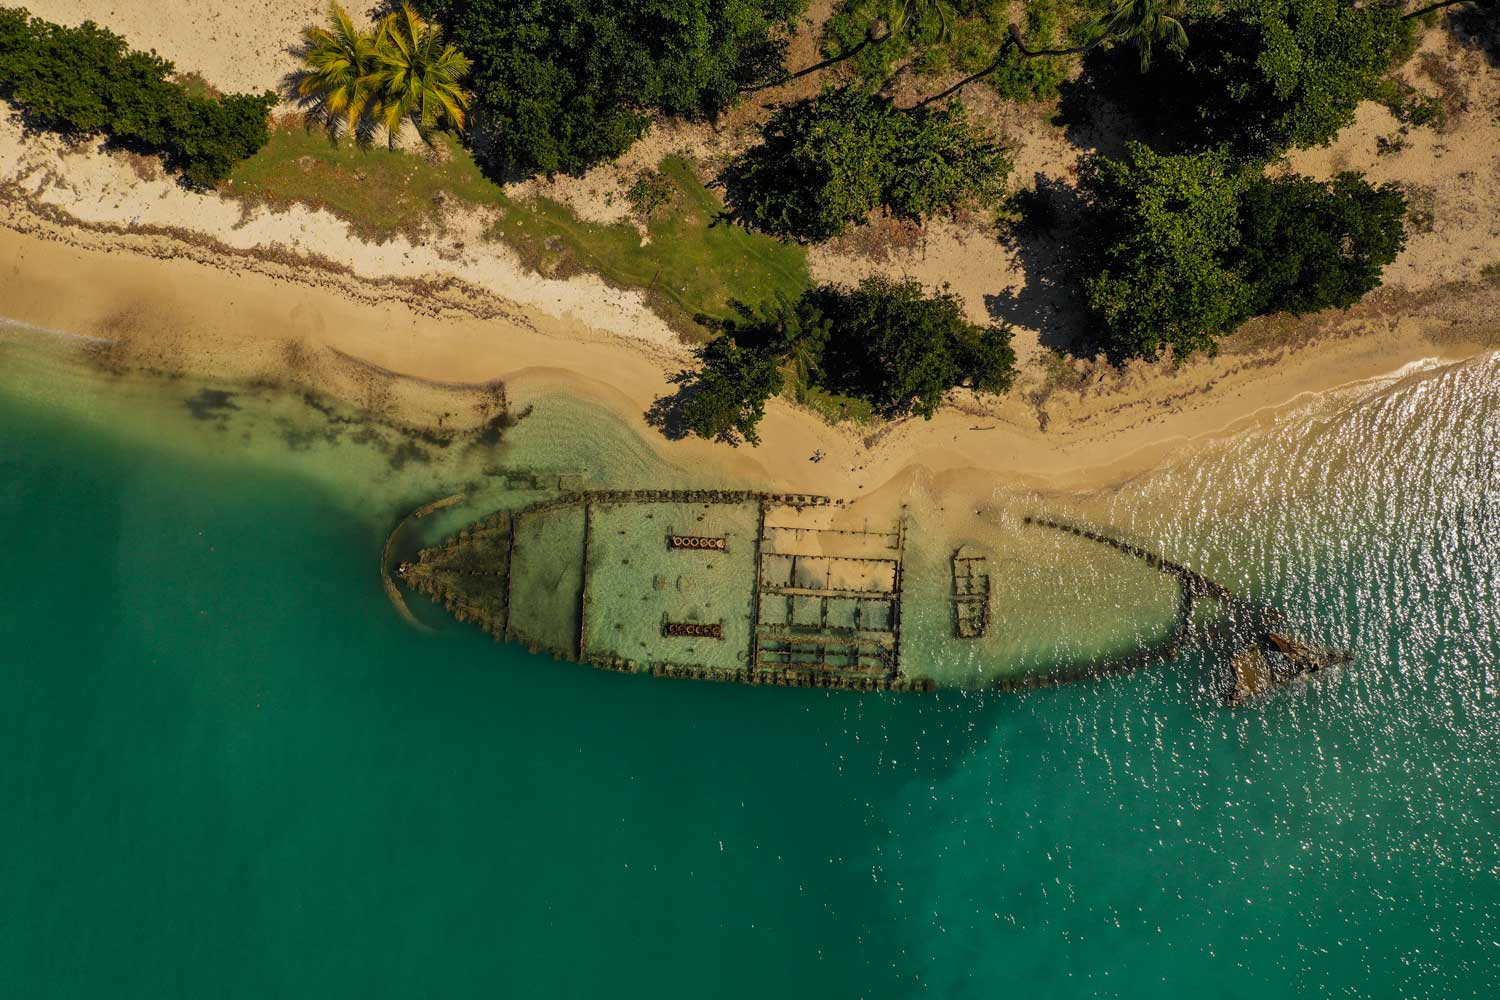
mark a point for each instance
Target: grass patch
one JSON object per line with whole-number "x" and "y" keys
{"x": 1490, "y": 273}
{"x": 381, "y": 192}
{"x": 694, "y": 264}
{"x": 834, "y": 407}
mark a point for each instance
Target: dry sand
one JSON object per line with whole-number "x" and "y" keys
{"x": 186, "y": 281}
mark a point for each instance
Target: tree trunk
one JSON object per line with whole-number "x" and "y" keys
{"x": 1013, "y": 40}
{"x": 1432, "y": 7}
{"x": 824, "y": 64}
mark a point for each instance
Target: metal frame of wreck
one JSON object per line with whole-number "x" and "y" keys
{"x": 1244, "y": 617}
{"x": 816, "y": 674}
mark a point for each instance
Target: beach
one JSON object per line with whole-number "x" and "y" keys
{"x": 201, "y": 282}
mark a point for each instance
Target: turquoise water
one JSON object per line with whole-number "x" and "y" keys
{"x": 229, "y": 769}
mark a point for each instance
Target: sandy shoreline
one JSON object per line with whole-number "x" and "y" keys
{"x": 171, "y": 305}
{"x": 193, "y": 282}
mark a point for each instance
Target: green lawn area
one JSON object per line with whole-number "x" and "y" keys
{"x": 381, "y": 192}
{"x": 696, "y": 263}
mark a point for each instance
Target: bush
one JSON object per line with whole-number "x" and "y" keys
{"x": 1160, "y": 236}
{"x": 886, "y": 347}
{"x": 828, "y": 161}
{"x": 85, "y": 81}
{"x": 560, "y": 85}
{"x": 651, "y": 191}
{"x": 1277, "y": 74}
{"x": 1182, "y": 249}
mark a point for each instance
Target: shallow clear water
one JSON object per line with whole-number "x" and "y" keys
{"x": 231, "y": 770}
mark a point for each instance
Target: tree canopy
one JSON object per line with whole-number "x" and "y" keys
{"x": 1308, "y": 245}
{"x": 827, "y": 162}
{"x": 1160, "y": 233}
{"x": 1263, "y": 76}
{"x": 897, "y": 347}
{"x": 86, "y": 80}
{"x": 886, "y": 343}
{"x": 403, "y": 71}
{"x": 1180, "y": 249}
{"x": 560, "y": 85}
{"x": 728, "y": 398}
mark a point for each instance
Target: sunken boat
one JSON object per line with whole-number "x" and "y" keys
{"x": 769, "y": 588}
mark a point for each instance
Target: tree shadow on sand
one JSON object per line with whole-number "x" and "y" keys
{"x": 1477, "y": 28}
{"x": 667, "y": 413}
{"x": 1044, "y": 240}
{"x": 1111, "y": 104}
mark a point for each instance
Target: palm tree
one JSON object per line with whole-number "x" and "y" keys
{"x": 417, "y": 76}
{"x": 801, "y": 337}
{"x": 1144, "y": 22}
{"x": 337, "y": 62}
{"x": 917, "y": 17}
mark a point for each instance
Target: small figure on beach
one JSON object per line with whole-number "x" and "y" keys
{"x": 817, "y": 456}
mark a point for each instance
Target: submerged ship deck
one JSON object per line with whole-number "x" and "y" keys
{"x": 717, "y": 585}
{"x": 765, "y": 588}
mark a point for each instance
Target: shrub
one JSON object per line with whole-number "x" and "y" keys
{"x": 1161, "y": 233}
{"x": 1182, "y": 249}
{"x": 651, "y": 191}
{"x": 86, "y": 81}
{"x": 560, "y": 85}
{"x": 828, "y": 161}
{"x": 1307, "y": 245}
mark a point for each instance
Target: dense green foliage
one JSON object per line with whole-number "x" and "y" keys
{"x": 560, "y": 85}
{"x": 901, "y": 349}
{"x": 1160, "y": 235}
{"x": 886, "y": 344}
{"x": 828, "y": 161}
{"x": 964, "y": 41}
{"x": 1181, "y": 249}
{"x": 86, "y": 81}
{"x": 729, "y": 396}
{"x": 1268, "y": 75}
{"x": 1309, "y": 246}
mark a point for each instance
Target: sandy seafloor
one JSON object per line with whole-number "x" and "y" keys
{"x": 233, "y": 770}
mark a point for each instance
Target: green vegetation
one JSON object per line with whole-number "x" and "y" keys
{"x": 652, "y": 191}
{"x": 978, "y": 38}
{"x": 563, "y": 84}
{"x": 1269, "y": 75}
{"x": 960, "y": 37}
{"x": 1308, "y": 245}
{"x": 827, "y": 162}
{"x": 402, "y": 72}
{"x": 1160, "y": 237}
{"x": 729, "y": 396}
{"x": 886, "y": 345}
{"x": 86, "y": 81}
{"x": 693, "y": 265}
{"x": 381, "y": 192}
{"x": 1181, "y": 249}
